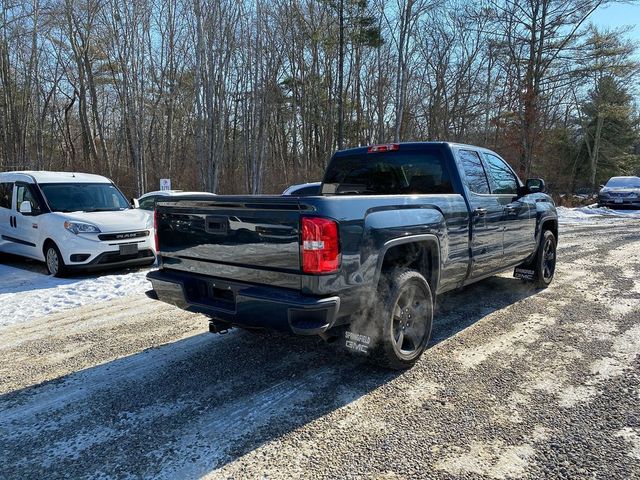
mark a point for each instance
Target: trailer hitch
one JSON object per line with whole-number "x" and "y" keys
{"x": 219, "y": 327}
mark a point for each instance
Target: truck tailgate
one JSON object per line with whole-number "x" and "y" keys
{"x": 247, "y": 239}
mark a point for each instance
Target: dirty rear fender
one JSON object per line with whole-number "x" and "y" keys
{"x": 387, "y": 228}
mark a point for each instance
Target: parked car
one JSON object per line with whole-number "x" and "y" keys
{"x": 72, "y": 221}
{"x": 395, "y": 225}
{"x": 148, "y": 200}
{"x": 303, "y": 189}
{"x": 620, "y": 192}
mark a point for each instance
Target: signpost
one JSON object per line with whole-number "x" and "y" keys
{"x": 165, "y": 184}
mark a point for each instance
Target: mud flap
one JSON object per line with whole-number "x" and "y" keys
{"x": 357, "y": 343}
{"x": 524, "y": 273}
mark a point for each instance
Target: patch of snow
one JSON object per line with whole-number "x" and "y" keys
{"x": 593, "y": 214}
{"x": 494, "y": 460}
{"x": 26, "y": 294}
{"x": 633, "y": 438}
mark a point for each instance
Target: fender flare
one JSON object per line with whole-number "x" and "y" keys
{"x": 430, "y": 238}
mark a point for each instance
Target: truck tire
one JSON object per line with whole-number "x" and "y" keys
{"x": 544, "y": 263}
{"x": 403, "y": 317}
{"x": 53, "y": 260}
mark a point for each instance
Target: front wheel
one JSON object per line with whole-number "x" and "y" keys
{"x": 545, "y": 261}
{"x": 403, "y": 319}
{"x": 53, "y": 259}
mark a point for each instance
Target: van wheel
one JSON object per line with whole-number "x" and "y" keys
{"x": 544, "y": 264}
{"x": 404, "y": 318}
{"x": 53, "y": 260}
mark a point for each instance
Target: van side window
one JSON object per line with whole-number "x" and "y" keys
{"x": 25, "y": 194}
{"x": 474, "y": 171}
{"x": 6, "y": 192}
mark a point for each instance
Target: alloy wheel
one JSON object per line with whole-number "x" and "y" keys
{"x": 410, "y": 314}
{"x": 548, "y": 259}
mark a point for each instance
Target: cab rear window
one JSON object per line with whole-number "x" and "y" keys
{"x": 388, "y": 173}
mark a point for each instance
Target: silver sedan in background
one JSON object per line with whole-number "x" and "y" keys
{"x": 620, "y": 192}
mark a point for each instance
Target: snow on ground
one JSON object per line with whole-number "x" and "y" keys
{"x": 26, "y": 294}
{"x": 594, "y": 214}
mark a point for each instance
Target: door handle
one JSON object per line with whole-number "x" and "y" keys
{"x": 510, "y": 210}
{"x": 480, "y": 212}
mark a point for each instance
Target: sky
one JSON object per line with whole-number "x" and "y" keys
{"x": 619, "y": 15}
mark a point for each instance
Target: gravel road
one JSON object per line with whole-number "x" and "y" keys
{"x": 517, "y": 383}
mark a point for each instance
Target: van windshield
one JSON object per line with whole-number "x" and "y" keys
{"x": 85, "y": 197}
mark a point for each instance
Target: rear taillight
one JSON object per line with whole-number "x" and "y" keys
{"x": 155, "y": 231}
{"x": 388, "y": 147}
{"x": 320, "y": 245}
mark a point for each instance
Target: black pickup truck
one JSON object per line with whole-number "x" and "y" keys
{"x": 393, "y": 226}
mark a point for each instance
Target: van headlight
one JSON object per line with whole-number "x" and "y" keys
{"x": 79, "y": 227}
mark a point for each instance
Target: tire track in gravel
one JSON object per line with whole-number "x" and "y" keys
{"x": 517, "y": 383}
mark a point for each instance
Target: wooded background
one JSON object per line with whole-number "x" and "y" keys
{"x": 235, "y": 96}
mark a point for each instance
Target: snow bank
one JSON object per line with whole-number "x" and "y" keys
{"x": 26, "y": 294}
{"x": 594, "y": 214}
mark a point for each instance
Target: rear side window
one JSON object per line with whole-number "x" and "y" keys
{"x": 388, "y": 173}
{"x": 148, "y": 203}
{"x": 6, "y": 193}
{"x": 503, "y": 180}
{"x": 306, "y": 191}
{"x": 474, "y": 171}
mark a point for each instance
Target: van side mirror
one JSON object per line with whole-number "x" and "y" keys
{"x": 535, "y": 185}
{"x": 135, "y": 203}
{"x": 25, "y": 208}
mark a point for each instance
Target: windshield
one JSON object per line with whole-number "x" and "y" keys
{"x": 86, "y": 197}
{"x": 629, "y": 182}
{"x": 388, "y": 173}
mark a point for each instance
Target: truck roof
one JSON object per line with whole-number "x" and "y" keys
{"x": 42, "y": 176}
{"x": 364, "y": 149}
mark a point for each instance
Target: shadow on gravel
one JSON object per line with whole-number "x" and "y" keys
{"x": 186, "y": 408}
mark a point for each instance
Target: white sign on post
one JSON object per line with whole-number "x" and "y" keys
{"x": 165, "y": 184}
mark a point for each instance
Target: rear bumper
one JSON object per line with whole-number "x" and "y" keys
{"x": 245, "y": 305}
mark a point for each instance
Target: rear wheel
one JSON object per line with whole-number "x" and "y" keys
{"x": 404, "y": 318}
{"x": 53, "y": 260}
{"x": 544, "y": 264}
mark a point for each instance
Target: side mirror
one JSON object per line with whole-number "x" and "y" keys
{"x": 601, "y": 187}
{"x": 135, "y": 203}
{"x": 25, "y": 208}
{"x": 535, "y": 185}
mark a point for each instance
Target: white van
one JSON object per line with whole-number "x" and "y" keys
{"x": 72, "y": 221}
